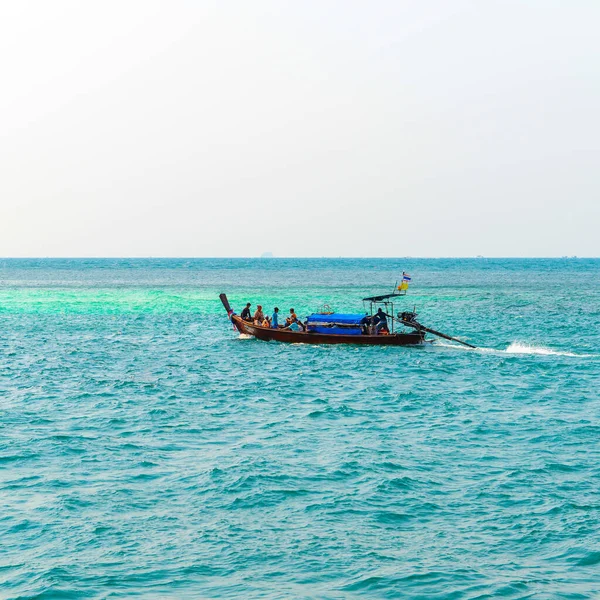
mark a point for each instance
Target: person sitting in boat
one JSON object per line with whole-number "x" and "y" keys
{"x": 380, "y": 321}
{"x": 266, "y": 322}
{"x": 295, "y": 326}
{"x": 246, "y": 313}
{"x": 259, "y": 316}
{"x": 292, "y": 317}
{"x": 275, "y": 318}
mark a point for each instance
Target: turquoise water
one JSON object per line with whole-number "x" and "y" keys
{"x": 147, "y": 451}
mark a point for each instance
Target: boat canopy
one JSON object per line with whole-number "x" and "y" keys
{"x": 382, "y": 298}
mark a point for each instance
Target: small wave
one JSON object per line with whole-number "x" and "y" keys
{"x": 593, "y": 558}
{"x": 245, "y": 336}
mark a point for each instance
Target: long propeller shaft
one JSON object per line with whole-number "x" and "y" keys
{"x": 420, "y": 327}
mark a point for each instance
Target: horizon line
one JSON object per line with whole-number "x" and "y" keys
{"x": 254, "y": 257}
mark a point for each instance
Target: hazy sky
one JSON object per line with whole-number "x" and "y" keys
{"x": 312, "y": 128}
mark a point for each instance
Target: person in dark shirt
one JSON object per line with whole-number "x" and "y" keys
{"x": 380, "y": 320}
{"x": 246, "y": 313}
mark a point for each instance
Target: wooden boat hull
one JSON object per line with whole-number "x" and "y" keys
{"x": 299, "y": 337}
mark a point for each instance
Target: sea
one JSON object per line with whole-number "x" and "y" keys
{"x": 147, "y": 450}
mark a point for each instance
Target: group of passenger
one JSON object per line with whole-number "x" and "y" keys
{"x": 374, "y": 325}
{"x": 292, "y": 322}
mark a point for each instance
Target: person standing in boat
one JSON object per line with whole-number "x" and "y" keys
{"x": 259, "y": 316}
{"x": 246, "y": 313}
{"x": 380, "y": 320}
{"x": 275, "y": 318}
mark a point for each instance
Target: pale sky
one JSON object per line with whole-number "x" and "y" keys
{"x": 312, "y": 128}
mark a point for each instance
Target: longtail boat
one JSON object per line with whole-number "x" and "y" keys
{"x": 339, "y": 328}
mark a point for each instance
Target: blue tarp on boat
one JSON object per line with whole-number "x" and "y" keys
{"x": 336, "y": 323}
{"x": 341, "y": 318}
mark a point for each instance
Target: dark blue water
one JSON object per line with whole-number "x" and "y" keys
{"x": 147, "y": 451}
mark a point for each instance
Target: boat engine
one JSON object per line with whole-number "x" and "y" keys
{"x": 409, "y": 317}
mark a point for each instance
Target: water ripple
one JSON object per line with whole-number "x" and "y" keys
{"x": 147, "y": 451}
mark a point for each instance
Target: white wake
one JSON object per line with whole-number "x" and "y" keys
{"x": 514, "y": 348}
{"x": 520, "y": 348}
